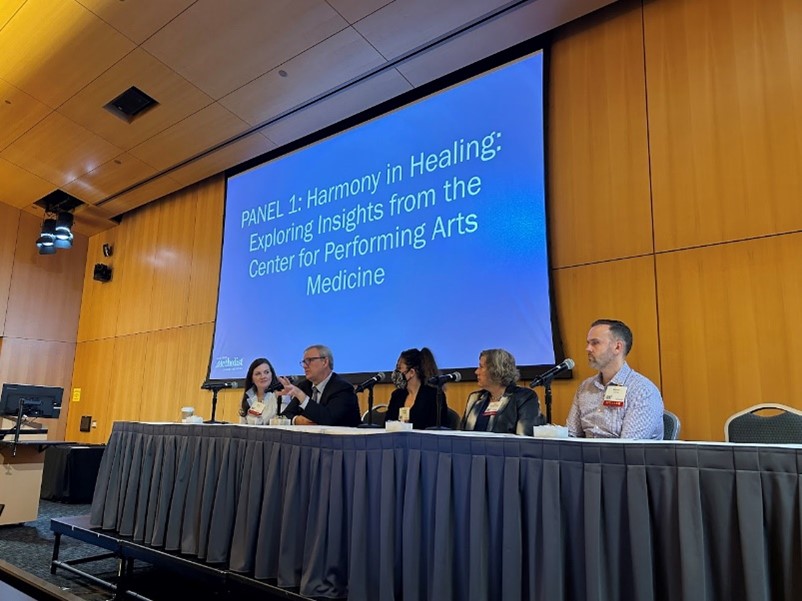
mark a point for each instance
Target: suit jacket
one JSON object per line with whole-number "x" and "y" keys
{"x": 338, "y": 405}
{"x": 518, "y": 413}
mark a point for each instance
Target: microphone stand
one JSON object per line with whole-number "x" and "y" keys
{"x": 439, "y": 405}
{"x": 370, "y": 423}
{"x": 547, "y": 400}
{"x": 214, "y": 408}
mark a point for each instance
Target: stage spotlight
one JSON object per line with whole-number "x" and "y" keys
{"x": 59, "y": 218}
{"x": 47, "y": 238}
{"x": 64, "y": 225}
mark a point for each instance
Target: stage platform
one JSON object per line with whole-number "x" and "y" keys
{"x": 221, "y": 583}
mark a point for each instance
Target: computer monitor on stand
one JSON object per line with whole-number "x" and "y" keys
{"x": 21, "y": 402}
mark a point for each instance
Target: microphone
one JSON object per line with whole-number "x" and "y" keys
{"x": 548, "y": 375}
{"x": 274, "y": 385}
{"x": 209, "y": 385}
{"x": 440, "y": 380}
{"x": 370, "y": 382}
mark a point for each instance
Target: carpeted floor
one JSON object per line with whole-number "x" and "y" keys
{"x": 30, "y": 546}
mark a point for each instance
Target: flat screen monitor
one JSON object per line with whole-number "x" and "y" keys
{"x": 39, "y": 401}
{"x": 425, "y": 226}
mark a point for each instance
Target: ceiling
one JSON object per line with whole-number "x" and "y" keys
{"x": 233, "y": 80}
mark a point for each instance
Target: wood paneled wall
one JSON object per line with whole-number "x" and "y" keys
{"x": 40, "y": 300}
{"x": 674, "y": 186}
{"x": 144, "y": 338}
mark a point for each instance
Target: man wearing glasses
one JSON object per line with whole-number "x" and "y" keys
{"x": 323, "y": 398}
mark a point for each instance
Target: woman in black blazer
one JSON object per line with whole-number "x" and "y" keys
{"x": 501, "y": 406}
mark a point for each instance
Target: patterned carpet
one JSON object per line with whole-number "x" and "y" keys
{"x": 30, "y": 546}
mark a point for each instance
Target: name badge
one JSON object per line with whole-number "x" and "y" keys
{"x": 614, "y": 396}
{"x": 403, "y": 414}
{"x": 492, "y": 408}
{"x": 257, "y": 408}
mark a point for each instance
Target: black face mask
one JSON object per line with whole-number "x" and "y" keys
{"x": 399, "y": 379}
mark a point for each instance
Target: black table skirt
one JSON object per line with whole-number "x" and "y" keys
{"x": 416, "y": 515}
{"x": 70, "y": 472}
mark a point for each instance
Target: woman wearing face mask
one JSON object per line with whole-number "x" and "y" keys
{"x": 258, "y": 404}
{"x": 413, "y": 368}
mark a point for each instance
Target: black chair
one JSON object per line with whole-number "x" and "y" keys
{"x": 671, "y": 426}
{"x": 379, "y": 415}
{"x": 453, "y": 419}
{"x": 746, "y": 426}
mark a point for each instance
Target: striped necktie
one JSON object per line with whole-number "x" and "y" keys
{"x": 315, "y": 394}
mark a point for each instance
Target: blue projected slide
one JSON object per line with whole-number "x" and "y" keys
{"x": 424, "y": 227}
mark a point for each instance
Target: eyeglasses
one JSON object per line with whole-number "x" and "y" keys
{"x": 305, "y": 362}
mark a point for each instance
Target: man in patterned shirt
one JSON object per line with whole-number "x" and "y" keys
{"x": 618, "y": 402}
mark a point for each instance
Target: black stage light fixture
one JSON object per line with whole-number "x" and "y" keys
{"x": 56, "y": 233}
{"x": 64, "y": 223}
{"x": 47, "y": 238}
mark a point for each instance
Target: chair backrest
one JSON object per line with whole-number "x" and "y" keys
{"x": 453, "y": 419}
{"x": 671, "y": 426}
{"x": 379, "y": 415}
{"x": 782, "y": 428}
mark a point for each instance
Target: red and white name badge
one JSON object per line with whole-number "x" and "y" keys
{"x": 257, "y": 408}
{"x": 615, "y": 396}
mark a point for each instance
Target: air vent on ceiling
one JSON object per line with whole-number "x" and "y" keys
{"x": 130, "y": 104}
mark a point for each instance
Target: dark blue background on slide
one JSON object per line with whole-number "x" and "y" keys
{"x": 457, "y": 295}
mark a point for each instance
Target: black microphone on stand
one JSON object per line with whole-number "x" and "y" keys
{"x": 276, "y": 385}
{"x": 549, "y": 374}
{"x": 368, "y": 385}
{"x": 216, "y": 387}
{"x": 210, "y": 385}
{"x": 370, "y": 382}
{"x": 545, "y": 379}
{"x": 440, "y": 380}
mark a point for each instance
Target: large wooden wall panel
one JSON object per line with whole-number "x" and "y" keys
{"x": 100, "y": 302}
{"x": 172, "y": 262}
{"x": 624, "y": 290}
{"x": 725, "y": 114}
{"x": 176, "y": 365}
{"x": 128, "y": 374}
{"x": 599, "y": 203}
{"x": 44, "y": 363}
{"x": 135, "y": 256}
{"x": 206, "y": 251}
{"x": 45, "y": 294}
{"x": 93, "y": 375}
{"x": 729, "y": 318}
{"x": 9, "y": 223}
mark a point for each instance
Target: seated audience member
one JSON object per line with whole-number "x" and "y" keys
{"x": 501, "y": 406}
{"x": 413, "y": 368}
{"x": 618, "y": 402}
{"x": 323, "y": 398}
{"x": 259, "y": 406}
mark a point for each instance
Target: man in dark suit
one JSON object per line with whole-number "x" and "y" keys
{"x": 323, "y": 398}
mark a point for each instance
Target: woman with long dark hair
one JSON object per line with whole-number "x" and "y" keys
{"x": 412, "y": 370}
{"x": 259, "y": 404}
